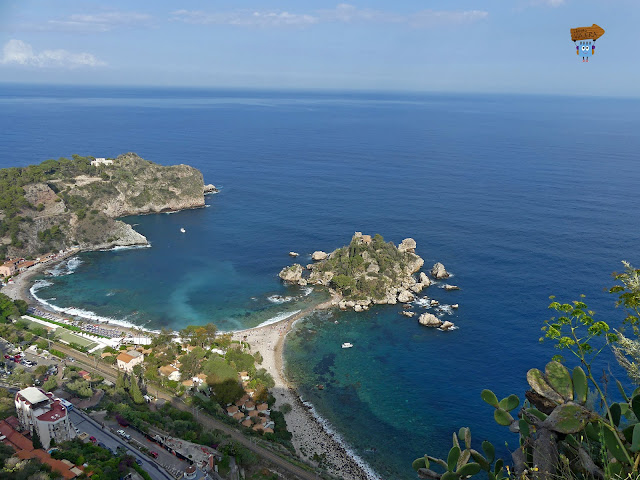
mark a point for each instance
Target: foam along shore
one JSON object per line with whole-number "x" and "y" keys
{"x": 311, "y": 435}
{"x": 23, "y": 288}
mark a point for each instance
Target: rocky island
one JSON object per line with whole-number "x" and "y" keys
{"x": 367, "y": 271}
{"x": 76, "y": 202}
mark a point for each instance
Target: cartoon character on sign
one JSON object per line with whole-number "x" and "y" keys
{"x": 586, "y": 48}
{"x": 584, "y": 39}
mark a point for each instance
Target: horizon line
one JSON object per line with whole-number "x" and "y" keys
{"x": 315, "y": 90}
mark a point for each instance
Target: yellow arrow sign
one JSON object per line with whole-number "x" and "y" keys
{"x": 593, "y": 32}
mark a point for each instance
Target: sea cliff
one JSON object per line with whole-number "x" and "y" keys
{"x": 76, "y": 202}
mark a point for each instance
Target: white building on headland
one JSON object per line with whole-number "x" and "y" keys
{"x": 40, "y": 411}
{"x": 101, "y": 161}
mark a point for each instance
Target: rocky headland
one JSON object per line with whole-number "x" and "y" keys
{"x": 76, "y": 202}
{"x": 369, "y": 271}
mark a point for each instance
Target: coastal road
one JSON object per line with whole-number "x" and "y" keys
{"x": 86, "y": 424}
{"x": 207, "y": 421}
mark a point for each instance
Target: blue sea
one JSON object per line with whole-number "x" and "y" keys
{"x": 521, "y": 197}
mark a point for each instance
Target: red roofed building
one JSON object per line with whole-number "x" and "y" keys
{"x": 24, "y": 450}
{"x": 44, "y": 413}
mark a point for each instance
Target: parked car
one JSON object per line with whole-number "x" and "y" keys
{"x": 153, "y": 454}
{"x": 102, "y": 445}
{"x": 93, "y": 439}
{"x": 138, "y": 461}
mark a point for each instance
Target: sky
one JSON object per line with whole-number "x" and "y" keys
{"x": 514, "y": 46}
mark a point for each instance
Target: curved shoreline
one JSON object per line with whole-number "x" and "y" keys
{"x": 311, "y": 433}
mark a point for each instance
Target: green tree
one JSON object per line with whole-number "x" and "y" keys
{"x": 8, "y": 309}
{"x": 227, "y": 391}
{"x": 134, "y": 391}
{"x": 22, "y": 306}
{"x": 189, "y": 365}
{"x": 120, "y": 383}
{"x": 202, "y": 335}
{"x": 35, "y": 439}
{"x": 50, "y": 384}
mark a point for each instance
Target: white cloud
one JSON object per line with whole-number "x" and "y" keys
{"x": 347, "y": 13}
{"x": 342, "y": 13}
{"x": 91, "y": 23}
{"x": 245, "y": 18}
{"x": 428, "y": 18}
{"x": 17, "y": 52}
{"x": 549, "y": 3}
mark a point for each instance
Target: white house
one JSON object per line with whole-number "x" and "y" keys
{"x": 45, "y": 414}
{"x": 127, "y": 360}
{"x": 170, "y": 371}
{"x": 101, "y": 161}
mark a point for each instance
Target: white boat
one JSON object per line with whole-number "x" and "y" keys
{"x": 183, "y": 230}
{"x": 347, "y": 345}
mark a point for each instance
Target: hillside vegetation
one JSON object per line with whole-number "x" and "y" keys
{"x": 68, "y": 202}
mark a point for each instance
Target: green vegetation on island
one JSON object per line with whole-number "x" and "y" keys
{"x": 368, "y": 270}
{"x": 63, "y": 203}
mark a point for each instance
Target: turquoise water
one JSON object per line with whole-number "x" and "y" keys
{"x": 519, "y": 197}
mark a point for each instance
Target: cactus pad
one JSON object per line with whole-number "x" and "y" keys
{"x": 489, "y": 450}
{"x": 502, "y": 417}
{"x": 613, "y": 446}
{"x": 567, "y": 418}
{"x": 489, "y": 397}
{"x": 509, "y": 403}
{"x": 559, "y": 378}
{"x": 537, "y": 381}
{"x": 469, "y": 469}
{"x": 580, "y": 385}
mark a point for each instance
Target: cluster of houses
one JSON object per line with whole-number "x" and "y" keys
{"x": 252, "y": 415}
{"x": 18, "y": 265}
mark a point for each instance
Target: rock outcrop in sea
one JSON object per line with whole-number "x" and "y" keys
{"x": 318, "y": 255}
{"x": 439, "y": 272}
{"x": 370, "y": 271}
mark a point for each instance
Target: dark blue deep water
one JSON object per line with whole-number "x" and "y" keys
{"x": 519, "y": 197}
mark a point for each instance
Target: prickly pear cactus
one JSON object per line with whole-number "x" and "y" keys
{"x": 458, "y": 464}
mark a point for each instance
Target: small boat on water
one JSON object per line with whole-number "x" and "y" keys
{"x": 347, "y": 345}
{"x": 320, "y": 386}
{"x": 183, "y": 230}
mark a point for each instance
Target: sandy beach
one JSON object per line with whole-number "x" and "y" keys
{"x": 309, "y": 436}
{"x": 19, "y": 289}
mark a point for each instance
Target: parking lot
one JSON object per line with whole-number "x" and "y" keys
{"x": 29, "y": 361}
{"x": 166, "y": 459}
{"x": 112, "y": 441}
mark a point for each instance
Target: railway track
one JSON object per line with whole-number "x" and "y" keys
{"x": 208, "y": 421}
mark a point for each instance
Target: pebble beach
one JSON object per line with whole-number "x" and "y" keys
{"x": 311, "y": 438}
